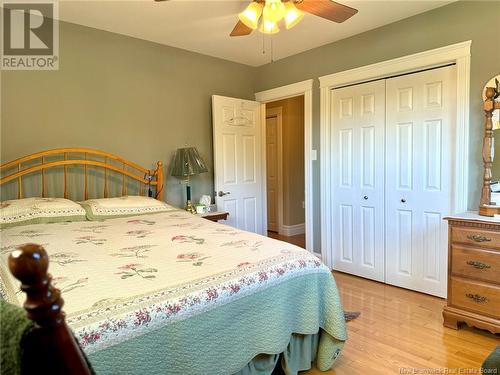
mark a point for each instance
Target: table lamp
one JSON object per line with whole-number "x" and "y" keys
{"x": 187, "y": 162}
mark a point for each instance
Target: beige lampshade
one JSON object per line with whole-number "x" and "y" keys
{"x": 250, "y": 16}
{"x": 269, "y": 27}
{"x": 187, "y": 162}
{"x": 274, "y": 10}
{"x": 292, "y": 15}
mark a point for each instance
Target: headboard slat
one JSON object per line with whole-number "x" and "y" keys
{"x": 105, "y": 178}
{"x": 124, "y": 189}
{"x": 86, "y": 193}
{"x": 43, "y": 179}
{"x": 66, "y": 194}
{"x": 19, "y": 183}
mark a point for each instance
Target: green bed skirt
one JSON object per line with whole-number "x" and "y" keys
{"x": 300, "y": 355}
{"x": 301, "y": 318}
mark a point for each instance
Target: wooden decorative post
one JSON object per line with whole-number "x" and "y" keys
{"x": 52, "y": 346}
{"x": 159, "y": 181}
{"x": 485, "y": 204}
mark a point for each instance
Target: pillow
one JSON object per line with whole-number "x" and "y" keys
{"x": 131, "y": 205}
{"x": 39, "y": 210}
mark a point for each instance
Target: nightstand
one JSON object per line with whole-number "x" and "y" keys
{"x": 215, "y": 216}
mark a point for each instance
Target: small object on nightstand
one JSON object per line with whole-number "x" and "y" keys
{"x": 215, "y": 216}
{"x": 206, "y": 200}
{"x": 201, "y": 209}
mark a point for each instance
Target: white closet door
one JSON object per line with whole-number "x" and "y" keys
{"x": 358, "y": 120}
{"x": 419, "y": 130}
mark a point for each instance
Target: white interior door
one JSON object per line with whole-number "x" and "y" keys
{"x": 358, "y": 123}
{"x": 420, "y": 127}
{"x": 238, "y": 169}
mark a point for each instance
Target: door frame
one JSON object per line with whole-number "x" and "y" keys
{"x": 285, "y": 92}
{"x": 458, "y": 54}
{"x": 278, "y": 113}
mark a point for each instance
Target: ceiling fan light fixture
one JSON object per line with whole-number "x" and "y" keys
{"x": 250, "y": 16}
{"x": 269, "y": 27}
{"x": 292, "y": 15}
{"x": 274, "y": 10}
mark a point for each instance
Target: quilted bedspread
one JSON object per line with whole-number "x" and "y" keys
{"x": 172, "y": 284}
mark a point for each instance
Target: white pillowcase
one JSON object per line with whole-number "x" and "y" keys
{"x": 130, "y": 205}
{"x": 39, "y": 210}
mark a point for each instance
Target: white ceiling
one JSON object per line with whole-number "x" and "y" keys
{"x": 204, "y": 25}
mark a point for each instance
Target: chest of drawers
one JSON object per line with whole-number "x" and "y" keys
{"x": 473, "y": 273}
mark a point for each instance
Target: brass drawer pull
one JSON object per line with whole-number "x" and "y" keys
{"x": 478, "y": 265}
{"x": 476, "y": 298}
{"x": 478, "y": 238}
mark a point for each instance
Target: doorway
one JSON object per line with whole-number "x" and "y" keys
{"x": 285, "y": 169}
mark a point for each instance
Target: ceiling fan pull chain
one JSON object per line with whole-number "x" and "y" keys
{"x": 263, "y": 44}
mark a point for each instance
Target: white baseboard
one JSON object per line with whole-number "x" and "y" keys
{"x": 292, "y": 230}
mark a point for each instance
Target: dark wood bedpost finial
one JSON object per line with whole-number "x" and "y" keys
{"x": 29, "y": 264}
{"x": 52, "y": 343}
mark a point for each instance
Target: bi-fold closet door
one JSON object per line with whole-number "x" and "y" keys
{"x": 391, "y": 178}
{"x": 358, "y": 117}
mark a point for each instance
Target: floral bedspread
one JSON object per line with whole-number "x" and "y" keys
{"x": 124, "y": 277}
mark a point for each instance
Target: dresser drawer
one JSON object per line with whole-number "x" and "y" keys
{"x": 475, "y": 263}
{"x": 475, "y": 296}
{"x": 475, "y": 237}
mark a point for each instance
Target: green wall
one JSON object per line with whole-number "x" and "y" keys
{"x": 465, "y": 20}
{"x": 134, "y": 98}
{"x": 143, "y": 100}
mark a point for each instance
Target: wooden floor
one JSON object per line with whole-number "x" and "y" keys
{"x": 298, "y": 240}
{"x": 398, "y": 328}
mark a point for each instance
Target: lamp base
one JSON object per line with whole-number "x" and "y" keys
{"x": 189, "y": 207}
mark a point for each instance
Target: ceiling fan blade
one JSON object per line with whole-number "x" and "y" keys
{"x": 327, "y": 9}
{"x": 240, "y": 29}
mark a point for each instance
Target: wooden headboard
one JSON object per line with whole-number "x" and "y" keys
{"x": 108, "y": 162}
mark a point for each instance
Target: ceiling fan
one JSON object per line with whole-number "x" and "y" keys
{"x": 290, "y": 11}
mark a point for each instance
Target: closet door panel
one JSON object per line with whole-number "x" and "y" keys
{"x": 420, "y": 116}
{"x": 358, "y": 116}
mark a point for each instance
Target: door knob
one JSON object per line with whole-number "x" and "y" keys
{"x": 222, "y": 193}
{"x": 403, "y": 200}
{"x": 365, "y": 197}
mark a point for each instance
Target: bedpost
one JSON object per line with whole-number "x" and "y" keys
{"x": 52, "y": 344}
{"x": 159, "y": 181}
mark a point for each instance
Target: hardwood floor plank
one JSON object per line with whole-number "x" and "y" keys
{"x": 401, "y": 328}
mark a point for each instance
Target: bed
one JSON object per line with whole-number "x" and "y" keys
{"x": 169, "y": 292}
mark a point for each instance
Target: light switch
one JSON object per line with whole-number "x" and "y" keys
{"x": 314, "y": 155}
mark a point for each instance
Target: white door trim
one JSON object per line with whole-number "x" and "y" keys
{"x": 284, "y": 92}
{"x": 278, "y": 113}
{"x": 456, "y": 53}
